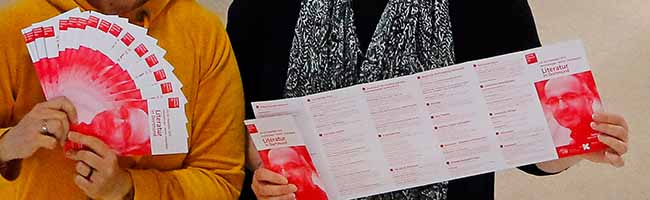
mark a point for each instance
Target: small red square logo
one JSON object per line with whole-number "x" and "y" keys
{"x": 251, "y": 129}
{"x": 103, "y": 26}
{"x": 174, "y": 102}
{"x": 93, "y": 21}
{"x": 160, "y": 75}
{"x": 29, "y": 37}
{"x": 166, "y": 88}
{"x": 38, "y": 32}
{"x": 128, "y": 39}
{"x": 531, "y": 58}
{"x": 48, "y": 32}
{"x": 115, "y": 30}
{"x": 141, "y": 50}
{"x": 83, "y": 23}
{"x": 63, "y": 25}
{"x": 151, "y": 60}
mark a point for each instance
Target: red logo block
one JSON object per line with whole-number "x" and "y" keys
{"x": 128, "y": 39}
{"x": 141, "y": 50}
{"x": 251, "y": 128}
{"x": 151, "y": 60}
{"x": 93, "y": 21}
{"x": 174, "y": 102}
{"x": 160, "y": 75}
{"x": 166, "y": 88}
{"x": 104, "y": 26}
{"x": 48, "y": 32}
{"x": 115, "y": 30}
{"x": 531, "y": 58}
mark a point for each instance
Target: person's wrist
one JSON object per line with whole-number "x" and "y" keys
{"x": 5, "y": 153}
{"x": 130, "y": 195}
{"x": 559, "y": 165}
{"x": 129, "y": 190}
{"x": 9, "y": 164}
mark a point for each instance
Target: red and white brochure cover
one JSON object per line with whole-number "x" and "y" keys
{"x": 282, "y": 150}
{"x": 568, "y": 95}
{"x": 78, "y": 55}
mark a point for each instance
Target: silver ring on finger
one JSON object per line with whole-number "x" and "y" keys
{"x": 44, "y": 129}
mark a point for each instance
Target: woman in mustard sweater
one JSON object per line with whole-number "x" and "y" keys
{"x": 34, "y": 166}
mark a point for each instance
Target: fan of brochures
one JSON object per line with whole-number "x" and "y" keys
{"x": 123, "y": 89}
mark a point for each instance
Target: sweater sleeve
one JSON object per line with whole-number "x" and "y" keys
{"x": 13, "y": 56}
{"x": 213, "y": 168}
{"x": 524, "y": 34}
{"x": 4, "y": 183}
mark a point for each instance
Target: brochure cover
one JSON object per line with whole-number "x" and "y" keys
{"x": 282, "y": 150}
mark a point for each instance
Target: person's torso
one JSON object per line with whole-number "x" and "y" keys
{"x": 48, "y": 172}
{"x": 480, "y": 29}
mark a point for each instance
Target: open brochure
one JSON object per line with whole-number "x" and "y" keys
{"x": 443, "y": 124}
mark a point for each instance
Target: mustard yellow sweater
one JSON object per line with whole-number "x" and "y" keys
{"x": 198, "y": 48}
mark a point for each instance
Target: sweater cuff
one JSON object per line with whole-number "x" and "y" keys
{"x": 3, "y": 131}
{"x": 143, "y": 186}
{"x": 3, "y": 181}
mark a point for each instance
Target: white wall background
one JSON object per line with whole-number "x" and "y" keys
{"x": 617, "y": 35}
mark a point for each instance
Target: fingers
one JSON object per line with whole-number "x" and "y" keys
{"x": 83, "y": 184}
{"x": 610, "y": 118}
{"x": 62, "y": 104}
{"x": 47, "y": 142}
{"x": 614, "y": 159}
{"x": 617, "y": 145}
{"x": 283, "y": 197}
{"x": 265, "y": 175}
{"x": 615, "y": 135}
{"x": 271, "y": 190}
{"x": 83, "y": 169}
{"x": 57, "y": 114}
{"x": 93, "y": 143}
{"x": 89, "y": 158}
{"x": 270, "y": 185}
{"x": 615, "y": 131}
{"x": 57, "y": 127}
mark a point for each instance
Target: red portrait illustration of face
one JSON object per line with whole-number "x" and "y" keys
{"x": 569, "y": 102}
{"x": 295, "y": 164}
{"x": 125, "y": 130}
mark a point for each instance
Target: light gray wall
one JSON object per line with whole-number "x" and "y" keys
{"x": 617, "y": 36}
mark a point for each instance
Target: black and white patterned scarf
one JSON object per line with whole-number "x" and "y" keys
{"x": 411, "y": 36}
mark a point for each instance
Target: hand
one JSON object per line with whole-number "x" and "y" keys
{"x": 269, "y": 185}
{"x": 27, "y": 137}
{"x": 615, "y": 134}
{"x": 98, "y": 172}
